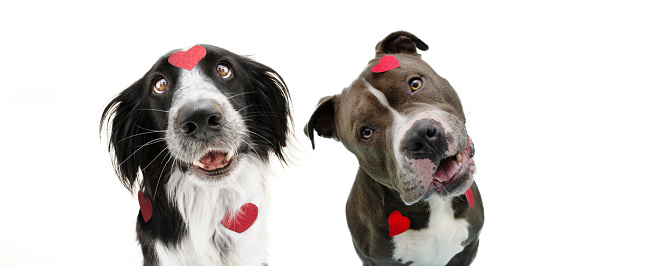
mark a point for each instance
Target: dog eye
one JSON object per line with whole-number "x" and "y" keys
{"x": 366, "y": 132}
{"x": 223, "y": 70}
{"x": 416, "y": 84}
{"x": 160, "y": 85}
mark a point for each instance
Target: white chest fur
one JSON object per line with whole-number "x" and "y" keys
{"x": 436, "y": 244}
{"x": 202, "y": 207}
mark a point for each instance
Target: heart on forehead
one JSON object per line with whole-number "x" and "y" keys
{"x": 187, "y": 59}
{"x": 243, "y": 220}
{"x": 387, "y": 63}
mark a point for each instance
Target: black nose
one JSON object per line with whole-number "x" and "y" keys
{"x": 200, "y": 120}
{"x": 425, "y": 139}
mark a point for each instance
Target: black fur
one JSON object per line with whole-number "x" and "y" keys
{"x": 137, "y": 119}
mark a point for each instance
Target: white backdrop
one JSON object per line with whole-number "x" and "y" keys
{"x": 555, "y": 94}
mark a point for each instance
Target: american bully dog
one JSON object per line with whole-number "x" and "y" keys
{"x": 414, "y": 200}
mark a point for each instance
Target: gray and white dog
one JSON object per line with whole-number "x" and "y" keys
{"x": 414, "y": 200}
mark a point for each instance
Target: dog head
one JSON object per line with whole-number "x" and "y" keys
{"x": 405, "y": 124}
{"x": 203, "y": 112}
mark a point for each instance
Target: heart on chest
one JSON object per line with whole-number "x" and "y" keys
{"x": 243, "y": 219}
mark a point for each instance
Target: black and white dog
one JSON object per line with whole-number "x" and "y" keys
{"x": 194, "y": 135}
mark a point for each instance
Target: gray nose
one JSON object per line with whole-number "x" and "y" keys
{"x": 425, "y": 139}
{"x": 200, "y": 120}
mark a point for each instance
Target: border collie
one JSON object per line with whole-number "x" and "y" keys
{"x": 194, "y": 136}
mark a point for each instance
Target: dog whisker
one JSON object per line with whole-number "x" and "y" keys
{"x": 140, "y": 147}
{"x": 253, "y": 149}
{"x": 151, "y": 109}
{"x": 249, "y": 131}
{"x": 149, "y": 130}
{"x": 152, "y": 161}
{"x": 143, "y": 133}
{"x": 237, "y": 94}
{"x": 162, "y": 171}
{"x": 151, "y": 142}
{"x": 258, "y": 114}
{"x": 244, "y": 107}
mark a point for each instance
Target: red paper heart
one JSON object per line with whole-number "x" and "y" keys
{"x": 470, "y": 197}
{"x": 244, "y": 218}
{"x": 187, "y": 59}
{"x": 145, "y": 206}
{"x": 398, "y": 224}
{"x": 387, "y": 63}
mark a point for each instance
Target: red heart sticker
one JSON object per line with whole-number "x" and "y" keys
{"x": 145, "y": 206}
{"x": 244, "y": 218}
{"x": 387, "y": 63}
{"x": 187, "y": 59}
{"x": 398, "y": 224}
{"x": 470, "y": 197}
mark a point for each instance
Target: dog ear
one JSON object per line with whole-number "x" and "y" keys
{"x": 323, "y": 120}
{"x": 271, "y": 107}
{"x": 400, "y": 42}
{"x": 129, "y": 132}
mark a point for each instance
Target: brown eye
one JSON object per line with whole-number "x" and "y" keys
{"x": 416, "y": 84}
{"x": 160, "y": 85}
{"x": 366, "y": 133}
{"x": 223, "y": 70}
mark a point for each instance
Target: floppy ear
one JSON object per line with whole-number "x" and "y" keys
{"x": 400, "y": 42}
{"x": 271, "y": 107}
{"x": 129, "y": 132}
{"x": 323, "y": 120}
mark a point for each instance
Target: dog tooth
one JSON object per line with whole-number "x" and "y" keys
{"x": 438, "y": 179}
{"x": 459, "y": 158}
{"x": 198, "y": 163}
{"x": 229, "y": 156}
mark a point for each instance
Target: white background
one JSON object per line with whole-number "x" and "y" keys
{"x": 556, "y": 95}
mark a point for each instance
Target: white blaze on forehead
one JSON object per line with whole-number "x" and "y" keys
{"x": 381, "y": 98}
{"x": 194, "y": 78}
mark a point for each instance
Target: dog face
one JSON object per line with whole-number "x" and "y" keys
{"x": 406, "y": 125}
{"x": 201, "y": 121}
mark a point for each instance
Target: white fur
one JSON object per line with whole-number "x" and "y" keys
{"x": 203, "y": 206}
{"x": 383, "y": 100}
{"x": 436, "y": 244}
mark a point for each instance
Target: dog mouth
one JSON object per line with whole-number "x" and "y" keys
{"x": 453, "y": 172}
{"x": 214, "y": 163}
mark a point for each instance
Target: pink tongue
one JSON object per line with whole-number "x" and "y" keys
{"x": 214, "y": 160}
{"x": 447, "y": 169}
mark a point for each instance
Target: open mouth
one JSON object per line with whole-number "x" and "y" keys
{"x": 214, "y": 163}
{"x": 451, "y": 170}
